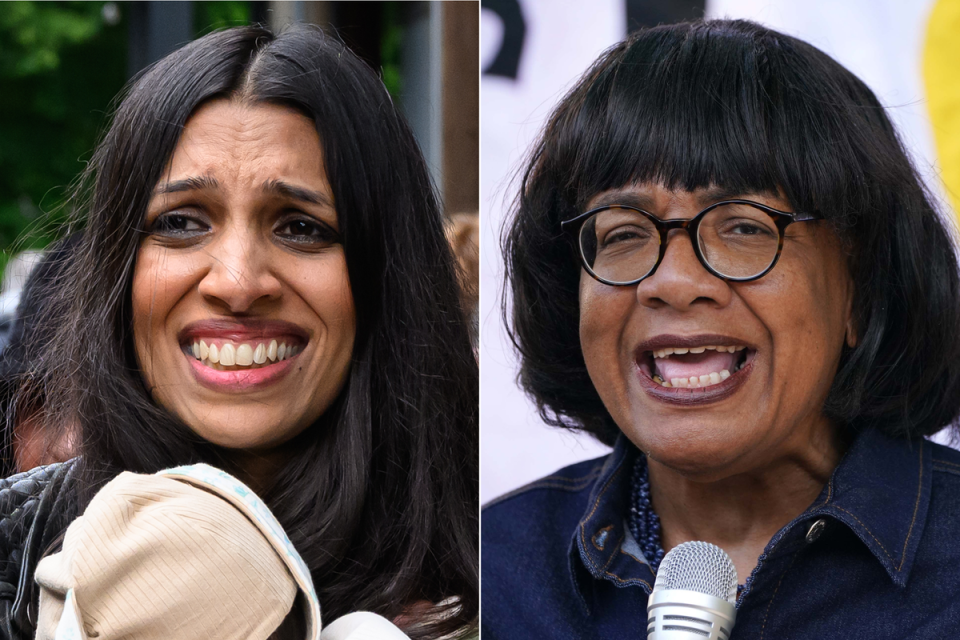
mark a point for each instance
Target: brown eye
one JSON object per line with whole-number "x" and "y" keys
{"x": 626, "y": 234}
{"x": 177, "y": 224}
{"x": 307, "y": 231}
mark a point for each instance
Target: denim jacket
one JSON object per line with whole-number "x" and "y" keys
{"x": 877, "y": 554}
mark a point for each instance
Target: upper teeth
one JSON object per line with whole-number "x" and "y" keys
{"x": 228, "y": 354}
{"x": 669, "y": 351}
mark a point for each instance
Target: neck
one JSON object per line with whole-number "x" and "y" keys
{"x": 741, "y": 512}
{"x": 257, "y": 469}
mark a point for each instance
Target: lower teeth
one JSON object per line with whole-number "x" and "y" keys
{"x": 234, "y": 367}
{"x": 698, "y": 385}
{"x": 693, "y": 382}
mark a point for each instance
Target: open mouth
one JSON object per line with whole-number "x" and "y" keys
{"x": 227, "y": 355}
{"x": 694, "y": 367}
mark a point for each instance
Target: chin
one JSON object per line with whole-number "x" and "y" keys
{"x": 251, "y": 433}
{"x": 239, "y": 442}
{"x": 692, "y": 447}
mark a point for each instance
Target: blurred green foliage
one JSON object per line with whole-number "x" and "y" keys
{"x": 391, "y": 42}
{"x": 61, "y": 64}
{"x": 210, "y": 16}
{"x": 35, "y": 34}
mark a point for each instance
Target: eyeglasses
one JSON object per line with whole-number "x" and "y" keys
{"x": 736, "y": 240}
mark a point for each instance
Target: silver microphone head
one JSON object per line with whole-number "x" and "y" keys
{"x": 694, "y": 595}
{"x": 698, "y": 566}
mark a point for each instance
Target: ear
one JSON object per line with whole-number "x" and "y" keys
{"x": 851, "y": 334}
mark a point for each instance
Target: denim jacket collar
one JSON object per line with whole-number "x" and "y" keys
{"x": 880, "y": 490}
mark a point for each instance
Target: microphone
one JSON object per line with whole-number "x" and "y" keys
{"x": 694, "y": 595}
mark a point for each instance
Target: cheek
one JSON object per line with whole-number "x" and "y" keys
{"x": 325, "y": 288}
{"x": 604, "y": 315}
{"x": 805, "y": 314}
{"x": 159, "y": 281}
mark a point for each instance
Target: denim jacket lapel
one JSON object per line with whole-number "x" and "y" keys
{"x": 602, "y": 540}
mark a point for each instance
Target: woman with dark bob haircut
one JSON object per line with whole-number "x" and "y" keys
{"x": 724, "y": 266}
{"x": 263, "y": 284}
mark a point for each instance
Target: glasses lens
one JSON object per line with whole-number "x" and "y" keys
{"x": 738, "y": 240}
{"x": 619, "y": 245}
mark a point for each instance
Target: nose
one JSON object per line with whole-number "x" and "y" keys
{"x": 681, "y": 281}
{"x": 239, "y": 278}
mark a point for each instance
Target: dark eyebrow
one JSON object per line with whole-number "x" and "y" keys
{"x": 196, "y": 183}
{"x": 281, "y": 188}
{"x": 277, "y": 187}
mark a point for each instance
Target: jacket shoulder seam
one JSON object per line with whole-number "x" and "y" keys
{"x": 552, "y": 482}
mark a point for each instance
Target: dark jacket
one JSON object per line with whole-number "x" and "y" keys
{"x": 877, "y": 554}
{"x": 35, "y": 509}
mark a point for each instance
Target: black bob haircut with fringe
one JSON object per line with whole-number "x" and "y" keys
{"x": 739, "y": 106}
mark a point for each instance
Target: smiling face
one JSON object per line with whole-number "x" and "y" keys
{"x": 713, "y": 377}
{"x": 244, "y": 320}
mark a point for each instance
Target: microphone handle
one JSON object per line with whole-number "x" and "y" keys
{"x": 679, "y": 614}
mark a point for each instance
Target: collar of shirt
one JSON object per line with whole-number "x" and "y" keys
{"x": 880, "y": 490}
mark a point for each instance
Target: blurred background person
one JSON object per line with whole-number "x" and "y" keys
{"x": 26, "y": 443}
{"x": 463, "y": 233}
{"x": 15, "y": 277}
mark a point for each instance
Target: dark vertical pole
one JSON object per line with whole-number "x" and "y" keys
{"x": 258, "y": 11}
{"x": 156, "y": 29}
{"x": 650, "y": 13}
{"x": 421, "y": 63}
{"x": 360, "y": 24}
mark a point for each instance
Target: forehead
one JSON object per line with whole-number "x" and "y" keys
{"x": 655, "y": 197}
{"x": 230, "y": 139}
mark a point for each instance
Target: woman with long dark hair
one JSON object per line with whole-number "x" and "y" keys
{"x": 263, "y": 284}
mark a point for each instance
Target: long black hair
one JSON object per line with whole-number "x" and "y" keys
{"x": 380, "y": 496}
{"x": 737, "y": 105}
